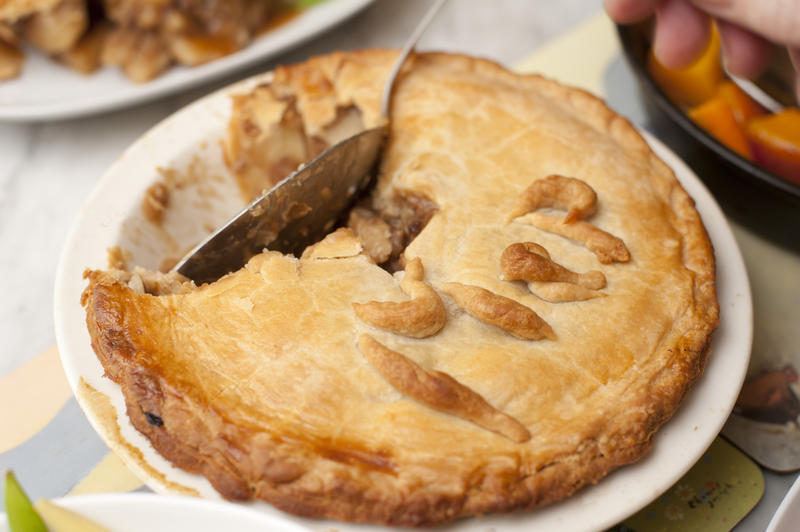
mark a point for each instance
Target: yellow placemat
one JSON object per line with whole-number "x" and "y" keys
{"x": 111, "y": 475}
{"x": 578, "y": 57}
{"x": 713, "y": 496}
{"x": 30, "y": 396}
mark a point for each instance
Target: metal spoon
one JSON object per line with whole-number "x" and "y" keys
{"x": 774, "y": 89}
{"x": 304, "y": 206}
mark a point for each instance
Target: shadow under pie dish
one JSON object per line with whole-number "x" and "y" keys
{"x": 550, "y": 302}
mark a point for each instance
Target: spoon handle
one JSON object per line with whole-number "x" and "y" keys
{"x": 758, "y": 94}
{"x": 407, "y": 48}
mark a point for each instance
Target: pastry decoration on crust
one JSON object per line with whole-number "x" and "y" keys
{"x": 421, "y": 317}
{"x": 528, "y": 261}
{"x": 439, "y": 390}
{"x": 500, "y": 311}
{"x": 567, "y": 193}
{"x": 579, "y": 200}
{"x": 412, "y": 368}
{"x": 606, "y": 246}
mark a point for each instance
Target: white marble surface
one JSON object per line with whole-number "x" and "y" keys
{"x": 48, "y": 169}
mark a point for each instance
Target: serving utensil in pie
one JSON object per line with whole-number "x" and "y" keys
{"x": 305, "y": 205}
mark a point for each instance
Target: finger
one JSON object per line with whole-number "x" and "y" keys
{"x": 778, "y": 20}
{"x": 746, "y": 54}
{"x": 630, "y": 11}
{"x": 682, "y": 33}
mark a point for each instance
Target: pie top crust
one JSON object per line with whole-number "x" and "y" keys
{"x": 274, "y": 385}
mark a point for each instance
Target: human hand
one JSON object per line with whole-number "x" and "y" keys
{"x": 746, "y": 28}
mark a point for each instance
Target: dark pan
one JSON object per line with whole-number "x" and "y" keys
{"x": 754, "y": 196}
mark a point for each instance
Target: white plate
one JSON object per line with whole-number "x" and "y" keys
{"x": 47, "y": 90}
{"x": 112, "y": 216}
{"x": 135, "y": 512}
{"x": 787, "y": 516}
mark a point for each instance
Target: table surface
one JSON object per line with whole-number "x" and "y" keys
{"x": 48, "y": 169}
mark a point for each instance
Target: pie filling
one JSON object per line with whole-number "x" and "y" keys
{"x": 521, "y": 301}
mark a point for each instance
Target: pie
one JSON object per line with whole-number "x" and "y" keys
{"x": 142, "y": 37}
{"x": 523, "y": 299}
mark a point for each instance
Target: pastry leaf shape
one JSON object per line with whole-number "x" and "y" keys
{"x": 557, "y": 191}
{"x": 555, "y": 292}
{"x": 424, "y": 315}
{"x": 607, "y": 247}
{"x": 500, "y": 311}
{"x": 528, "y": 261}
{"x": 439, "y": 390}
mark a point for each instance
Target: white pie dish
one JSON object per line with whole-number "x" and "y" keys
{"x": 112, "y": 217}
{"x": 788, "y": 513}
{"x": 134, "y": 512}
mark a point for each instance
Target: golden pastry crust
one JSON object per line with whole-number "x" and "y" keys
{"x": 257, "y": 382}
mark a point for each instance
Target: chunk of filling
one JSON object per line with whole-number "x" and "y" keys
{"x": 268, "y": 138}
{"x": 387, "y": 228}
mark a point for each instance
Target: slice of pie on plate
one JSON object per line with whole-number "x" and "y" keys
{"x": 142, "y": 37}
{"x": 521, "y": 302}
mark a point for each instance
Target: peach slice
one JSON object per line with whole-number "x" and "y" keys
{"x": 743, "y": 106}
{"x": 718, "y": 118}
{"x": 775, "y": 141}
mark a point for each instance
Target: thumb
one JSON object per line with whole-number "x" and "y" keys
{"x": 775, "y": 20}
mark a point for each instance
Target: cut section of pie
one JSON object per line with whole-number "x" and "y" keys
{"x": 405, "y": 370}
